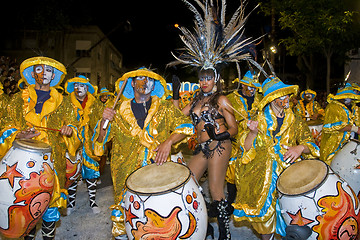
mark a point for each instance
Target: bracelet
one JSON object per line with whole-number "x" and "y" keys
{"x": 354, "y": 129}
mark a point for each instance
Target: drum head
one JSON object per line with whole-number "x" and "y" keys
{"x": 153, "y": 179}
{"x": 31, "y": 144}
{"x": 302, "y": 177}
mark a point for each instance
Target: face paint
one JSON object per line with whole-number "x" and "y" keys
{"x": 80, "y": 89}
{"x": 207, "y": 80}
{"x": 282, "y": 102}
{"x": 248, "y": 91}
{"x": 144, "y": 85}
{"x": 43, "y": 74}
{"x": 347, "y": 101}
{"x": 308, "y": 97}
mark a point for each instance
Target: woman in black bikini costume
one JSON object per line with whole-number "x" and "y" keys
{"x": 215, "y": 125}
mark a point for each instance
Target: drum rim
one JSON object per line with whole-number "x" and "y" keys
{"x": 17, "y": 144}
{"x": 160, "y": 192}
{"x": 309, "y": 191}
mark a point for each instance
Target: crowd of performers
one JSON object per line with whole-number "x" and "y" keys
{"x": 244, "y": 140}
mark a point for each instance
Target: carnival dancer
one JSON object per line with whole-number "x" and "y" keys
{"x": 212, "y": 44}
{"x": 105, "y": 95}
{"x": 143, "y": 129}
{"x": 81, "y": 93}
{"x": 244, "y": 100}
{"x": 339, "y": 122}
{"x": 271, "y": 143}
{"x": 308, "y": 108}
{"x": 34, "y": 113}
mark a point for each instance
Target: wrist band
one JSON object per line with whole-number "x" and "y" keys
{"x": 354, "y": 128}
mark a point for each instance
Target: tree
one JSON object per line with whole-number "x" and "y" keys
{"x": 321, "y": 26}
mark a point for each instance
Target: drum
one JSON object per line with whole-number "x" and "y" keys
{"x": 26, "y": 186}
{"x": 311, "y": 194}
{"x": 164, "y": 202}
{"x": 315, "y": 127}
{"x": 73, "y": 167}
{"x": 346, "y": 163}
{"x": 178, "y": 158}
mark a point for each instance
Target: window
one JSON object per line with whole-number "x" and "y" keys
{"x": 82, "y": 48}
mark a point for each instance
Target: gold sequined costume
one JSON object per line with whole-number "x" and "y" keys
{"x": 242, "y": 115}
{"x": 133, "y": 147}
{"x": 337, "y": 116}
{"x": 259, "y": 167}
{"x": 306, "y": 110}
{"x": 56, "y": 112}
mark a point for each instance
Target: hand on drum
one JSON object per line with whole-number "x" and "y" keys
{"x": 66, "y": 131}
{"x": 293, "y": 153}
{"x": 163, "y": 151}
{"x": 28, "y": 133}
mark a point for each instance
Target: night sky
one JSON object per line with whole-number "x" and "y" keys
{"x": 143, "y": 31}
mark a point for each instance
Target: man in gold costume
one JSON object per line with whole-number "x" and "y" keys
{"x": 143, "y": 128}
{"x": 339, "y": 122}
{"x": 307, "y": 107}
{"x": 271, "y": 143}
{"x": 85, "y": 104}
{"x": 41, "y": 105}
{"x": 244, "y": 100}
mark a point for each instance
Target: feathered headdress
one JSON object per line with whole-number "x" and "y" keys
{"x": 214, "y": 41}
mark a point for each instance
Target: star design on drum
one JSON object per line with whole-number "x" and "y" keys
{"x": 129, "y": 216}
{"x": 358, "y": 166}
{"x": 298, "y": 219}
{"x": 10, "y": 174}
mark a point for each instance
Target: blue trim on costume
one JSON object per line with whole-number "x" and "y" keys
{"x": 148, "y": 130}
{"x": 245, "y": 106}
{"x": 88, "y": 173}
{"x": 232, "y": 159}
{"x": 314, "y": 145}
{"x": 186, "y": 125}
{"x": 7, "y": 134}
{"x": 280, "y": 222}
{"x": 51, "y": 215}
{"x": 329, "y": 125}
{"x": 146, "y": 152}
{"x": 267, "y": 204}
{"x": 269, "y": 120}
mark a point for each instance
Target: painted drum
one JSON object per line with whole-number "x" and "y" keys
{"x": 73, "y": 167}
{"x": 164, "y": 202}
{"x": 26, "y": 186}
{"x": 346, "y": 163}
{"x": 178, "y": 158}
{"x": 315, "y": 127}
{"x": 311, "y": 194}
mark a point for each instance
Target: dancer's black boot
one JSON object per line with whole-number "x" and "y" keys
{"x": 224, "y": 212}
{"x": 48, "y": 230}
{"x": 231, "y": 189}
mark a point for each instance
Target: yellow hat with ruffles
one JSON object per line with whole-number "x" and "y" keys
{"x": 274, "y": 88}
{"x": 27, "y": 67}
{"x": 160, "y": 89}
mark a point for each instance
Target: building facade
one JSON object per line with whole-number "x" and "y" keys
{"x": 84, "y": 50}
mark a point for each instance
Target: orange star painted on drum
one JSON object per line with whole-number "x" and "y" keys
{"x": 298, "y": 219}
{"x": 10, "y": 174}
{"x": 358, "y": 166}
{"x": 129, "y": 216}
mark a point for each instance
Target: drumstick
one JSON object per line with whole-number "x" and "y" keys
{"x": 45, "y": 128}
{"x": 116, "y": 100}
